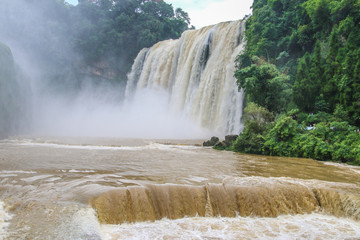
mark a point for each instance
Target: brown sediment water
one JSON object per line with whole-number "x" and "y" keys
{"x": 94, "y": 188}
{"x": 155, "y": 202}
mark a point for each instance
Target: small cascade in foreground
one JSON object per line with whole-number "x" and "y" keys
{"x": 155, "y": 202}
{"x": 197, "y": 71}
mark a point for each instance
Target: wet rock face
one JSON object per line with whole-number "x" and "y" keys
{"x": 212, "y": 142}
{"x": 101, "y": 70}
{"x": 230, "y": 138}
{"x": 215, "y": 142}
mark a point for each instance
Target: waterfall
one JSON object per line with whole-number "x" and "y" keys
{"x": 155, "y": 202}
{"x": 197, "y": 71}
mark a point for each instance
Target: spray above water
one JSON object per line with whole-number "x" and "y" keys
{"x": 147, "y": 115}
{"x": 182, "y": 88}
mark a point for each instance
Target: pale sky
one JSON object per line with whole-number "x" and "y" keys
{"x": 209, "y": 12}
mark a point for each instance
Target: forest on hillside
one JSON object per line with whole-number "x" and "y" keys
{"x": 93, "y": 33}
{"x": 52, "y": 50}
{"x": 301, "y": 74}
{"x": 116, "y": 30}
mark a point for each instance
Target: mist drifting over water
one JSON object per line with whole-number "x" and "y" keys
{"x": 62, "y": 102}
{"x": 92, "y": 113}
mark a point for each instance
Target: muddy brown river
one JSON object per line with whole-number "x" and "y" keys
{"x": 102, "y": 188}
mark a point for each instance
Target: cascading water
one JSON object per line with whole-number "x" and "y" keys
{"x": 111, "y": 188}
{"x": 103, "y": 188}
{"x": 197, "y": 71}
{"x": 246, "y": 197}
{"x": 183, "y": 88}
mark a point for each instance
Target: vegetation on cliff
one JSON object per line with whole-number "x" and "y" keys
{"x": 71, "y": 52}
{"x": 116, "y": 30}
{"x": 302, "y": 64}
{"x": 102, "y": 35}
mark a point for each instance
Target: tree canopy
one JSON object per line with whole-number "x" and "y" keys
{"x": 110, "y": 32}
{"x": 302, "y": 63}
{"x": 316, "y": 43}
{"x": 116, "y": 30}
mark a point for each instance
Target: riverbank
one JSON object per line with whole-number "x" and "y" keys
{"x": 320, "y": 137}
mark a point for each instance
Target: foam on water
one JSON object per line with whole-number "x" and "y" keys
{"x": 82, "y": 226}
{"x": 312, "y": 226}
{"x": 17, "y": 172}
{"x": 80, "y": 171}
{"x": 5, "y": 218}
{"x": 36, "y": 178}
{"x": 74, "y": 146}
{"x": 6, "y": 174}
{"x": 355, "y": 169}
{"x": 146, "y": 146}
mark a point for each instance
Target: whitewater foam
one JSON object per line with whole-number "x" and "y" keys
{"x": 355, "y": 169}
{"x": 82, "y": 226}
{"x": 5, "y": 218}
{"x": 311, "y": 226}
{"x": 148, "y": 145}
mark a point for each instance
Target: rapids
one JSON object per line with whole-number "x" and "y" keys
{"x": 107, "y": 188}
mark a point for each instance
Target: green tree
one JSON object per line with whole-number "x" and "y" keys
{"x": 304, "y": 93}
{"x": 116, "y": 30}
{"x": 265, "y": 85}
{"x": 332, "y": 68}
{"x": 309, "y": 78}
{"x": 316, "y": 44}
{"x": 256, "y": 121}
{"x": 279, "y": 140}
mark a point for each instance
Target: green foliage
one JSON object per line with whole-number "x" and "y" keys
{"x": 340, "y": 113}
{"x": 329, "y": 140}
{"x": 265, "y": 85}
{"x": 308, "y": 80}
{"x": 323, "y": 151}
{"x": 270, "y": 27}
{"x": 279, "y": 139}
{"x": 118, "y": 29}
{"x": 249, "y": 142}
{"x": 284, "y": 129}
{"x": 311, "y": 47}
{"x": 317, "y": 43}
{"x": 257, "y": 117}
{"x": 256, "y": 121}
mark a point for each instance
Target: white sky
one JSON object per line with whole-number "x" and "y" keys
{"x": 209, "y": 12}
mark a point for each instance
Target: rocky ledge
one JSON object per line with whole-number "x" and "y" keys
{"x": 215, "y": 142}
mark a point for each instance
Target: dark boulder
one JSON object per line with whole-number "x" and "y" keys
{"x": 220, "y": 145}
{"x": 231, "y": 138}
{"x": 212, "y": 142}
